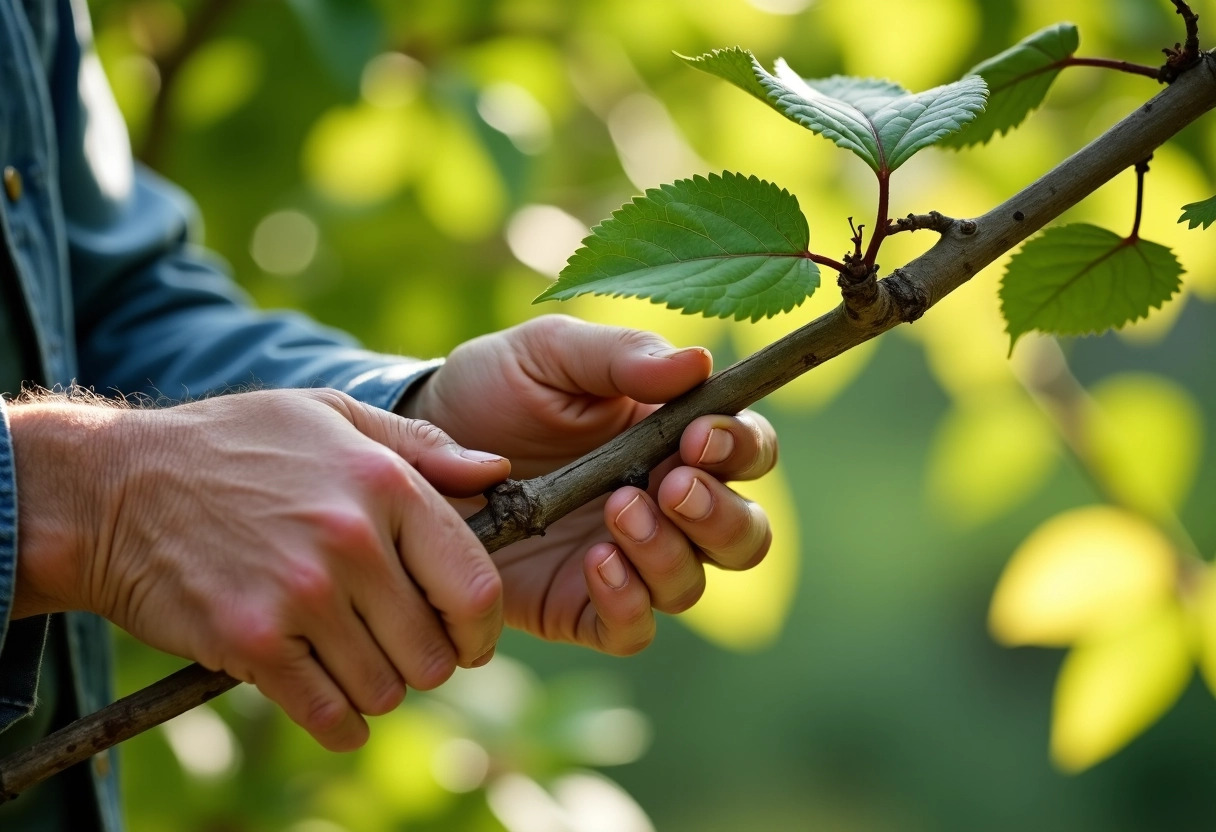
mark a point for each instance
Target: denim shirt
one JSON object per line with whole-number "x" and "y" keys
{"x": 101, "y": 283}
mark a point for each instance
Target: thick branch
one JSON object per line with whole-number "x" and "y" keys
{"x": 518, "y": 510}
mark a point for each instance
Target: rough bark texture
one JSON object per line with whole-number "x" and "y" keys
{"x": 517, "y": 510}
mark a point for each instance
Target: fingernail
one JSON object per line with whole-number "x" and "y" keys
{"x": 613, "y": 571}
{"x": 671, "y": 352}
{"x": 480, "y": 456}
{"x": 718, "y": 447}
{"x": 484, "y": 659}
{"x": 697, "y": 503}
{"x": 637, "y": 521}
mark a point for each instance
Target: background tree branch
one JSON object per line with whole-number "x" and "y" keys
{"x": 517, "y": 510}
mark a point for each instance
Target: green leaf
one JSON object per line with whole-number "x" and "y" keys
{"x": 880, "y": 121}
{"x": 735, "y": 65}
{"x": 1018, "y": 80}
{"x": 1080, "y": 279}
{"x": 345, "y": 34}
{"x": 1199, "y": 213}
{"x": 724, "y": 245}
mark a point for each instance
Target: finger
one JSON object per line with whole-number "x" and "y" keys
{"x": 608, "y": 361}
{"x": 732, "y": 531}
{"x": 452, "y": 469}
{"x": 619, "y": 619}
{"x": 408, "y": 631}
{"x": 353, "y": 659}
{"x": 661, "y": 553}
{"x": 312, "y": 699}
{"x": 742, "y": 447}
{"x": 449, "y": 564}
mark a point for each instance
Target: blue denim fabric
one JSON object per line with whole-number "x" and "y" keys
{"x": 102, "y": 283}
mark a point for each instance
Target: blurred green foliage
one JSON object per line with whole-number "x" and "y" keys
{"x": 411, "y": 171}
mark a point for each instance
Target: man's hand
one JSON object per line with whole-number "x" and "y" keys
{"x": 297, "y": 540}
{"x": 549, "y": 391}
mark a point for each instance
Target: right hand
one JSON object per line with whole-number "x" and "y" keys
{"x": 297, "y": 540}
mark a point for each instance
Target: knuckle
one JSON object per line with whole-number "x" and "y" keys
{"x": 761, "y": 552}
{"x": 635, "y": 645}
{"x": 255, "y": 638}
{"x": 436, "y": 664}
{"x": 422, "y": 432}
{"x": 325, "y": 715}
{"x": 310, "y": 587}
{"x": 740, "y": 531}
{"x": 378, "y": 469}
{"x": 684, "y": 600}
{"x": 346, "y": 530}
{"x": 388, "y": 693}
{"x": 482, "y": 593}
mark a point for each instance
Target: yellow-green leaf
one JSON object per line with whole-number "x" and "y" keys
{"x": 991, "y": 452}
{"x": 1205, "y": 627}
{"x": 1146, "y": 437}
{"x": 1112, "y": 688}
{"x": 1080, "y": 574}
{"x": 746, "y": 610}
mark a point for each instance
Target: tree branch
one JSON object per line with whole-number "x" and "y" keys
{"x": 517, "y": 510}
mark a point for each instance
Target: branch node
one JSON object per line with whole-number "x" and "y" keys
{"x": 1182, "y": 56}
{"x": 858, "y": 285}
{"x": 513, "y": 506}
{"x": 908, "y": 298}
{"x": 638, "y": 477}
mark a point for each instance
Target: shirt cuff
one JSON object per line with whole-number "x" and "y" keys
{"x": 385, "y": 386}
{"x": 21, "y": 642}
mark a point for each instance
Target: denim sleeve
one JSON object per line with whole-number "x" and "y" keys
{"x": 154, "y": 313}
{"x": 21, "y": 642}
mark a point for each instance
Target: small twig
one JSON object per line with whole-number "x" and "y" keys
{"x": 1183, "y": 55}
{"x": 933, "y": 221}
{"x": 1106, "y": 63}
{"x": 856, "y": 239}
{"x": 1141, "y": 170}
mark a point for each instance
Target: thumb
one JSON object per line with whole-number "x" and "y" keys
{"x": 611, "y": 361}
{"x": 454, "y": 471}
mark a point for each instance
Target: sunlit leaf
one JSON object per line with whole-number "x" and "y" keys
{"x": 747, "y": 610}
{"x": 217, "y": 80}
{"x": 364, "y": 154}
{"x": 1146, "y": 438}
{"x": 880, "y": 121}
{"x": 345, "y": 34}
{"x": 460, "y": 188}
{"x": 396, "y": 762}
{"x": 919, "y": 43}
{"x": 991, "y": 452}
{"x": 1205, "y": 630}
{"x": 1112, "y": 688}
{"x": 1199, "y": 213}
{"x": 1080, "y": 279}
{"x": 1083, "y": 572}
{"x": 722, "y": 246}
{"x": 1018, "y": 80}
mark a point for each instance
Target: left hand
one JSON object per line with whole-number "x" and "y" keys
{"x": 550, "y": 390}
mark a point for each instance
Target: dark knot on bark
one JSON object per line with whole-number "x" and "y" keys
{"x": 907, "y": 297}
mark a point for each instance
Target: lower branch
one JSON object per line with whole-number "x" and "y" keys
{"x": 517, "y": 511}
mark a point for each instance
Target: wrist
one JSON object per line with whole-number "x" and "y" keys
{"x": 67, "y": 458}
